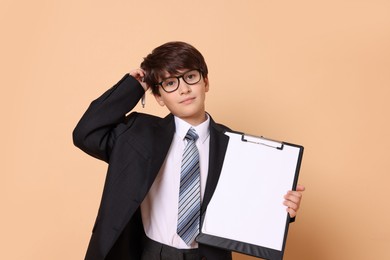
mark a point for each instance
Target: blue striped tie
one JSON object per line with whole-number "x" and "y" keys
{"x": 189, "y": 195}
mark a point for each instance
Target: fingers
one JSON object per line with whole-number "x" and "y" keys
{"x": 293, "y": 196}
{"x": 291, "y": 212}
{"x": 139, "y": 75}
{"x": 293, "y": 200}
{"x": 292, "y": 204}
{"x": 300, "y": 188}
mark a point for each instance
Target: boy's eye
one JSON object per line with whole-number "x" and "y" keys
{"x": 190, "y": 76}
{"x": 170, "y": 83}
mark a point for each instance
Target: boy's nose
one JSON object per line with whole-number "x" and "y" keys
{"x": 184, "y": 87}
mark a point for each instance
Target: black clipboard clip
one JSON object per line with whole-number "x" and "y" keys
{"x": 262, "y": 140}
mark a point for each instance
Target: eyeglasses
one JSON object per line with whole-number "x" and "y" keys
{"x": 172, "y": 84}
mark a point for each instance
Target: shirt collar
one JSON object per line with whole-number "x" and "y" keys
{"x": 203, "y": 129}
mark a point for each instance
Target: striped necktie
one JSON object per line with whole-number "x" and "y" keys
{"x": 189, "y": 195}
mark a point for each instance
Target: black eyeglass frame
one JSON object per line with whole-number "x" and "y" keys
{"x": 178, "y": 80}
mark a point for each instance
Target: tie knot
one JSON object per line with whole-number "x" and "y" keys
{"x": 191, "y": 135}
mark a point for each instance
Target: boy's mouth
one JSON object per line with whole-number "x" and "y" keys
{"x": 187, "y": 100}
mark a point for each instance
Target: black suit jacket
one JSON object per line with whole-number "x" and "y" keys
{"x": 135, "y": 147}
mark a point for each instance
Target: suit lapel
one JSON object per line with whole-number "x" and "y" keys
{"x": 162, "y": 134}
{"x": 218, "y": 146}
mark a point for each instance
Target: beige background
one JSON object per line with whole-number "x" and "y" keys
{"x": 316, "y": 73}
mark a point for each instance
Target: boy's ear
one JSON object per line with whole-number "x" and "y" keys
{"x": 206, "y": 83}
{"x": 159, "y": 99}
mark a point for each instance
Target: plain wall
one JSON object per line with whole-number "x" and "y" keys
{"x": 315, "y": 73}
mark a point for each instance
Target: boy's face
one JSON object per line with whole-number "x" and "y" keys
{"x": 187, "y": 102}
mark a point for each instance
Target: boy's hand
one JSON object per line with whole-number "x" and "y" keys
{"x": 139, "y": 75}
{"x": 293, "y": 200}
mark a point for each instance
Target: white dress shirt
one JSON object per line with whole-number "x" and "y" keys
{"x": 160, "y": 208}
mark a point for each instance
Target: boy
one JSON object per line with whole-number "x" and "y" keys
{"x": 147, "y": 210}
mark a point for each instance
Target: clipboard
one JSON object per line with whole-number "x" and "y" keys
{"x": 246, "y": 213}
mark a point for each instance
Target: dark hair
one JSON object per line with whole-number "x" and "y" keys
{"x": 171, "y": 57}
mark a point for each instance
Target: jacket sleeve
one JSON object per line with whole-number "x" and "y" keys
{"x": 105, "y": 118}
